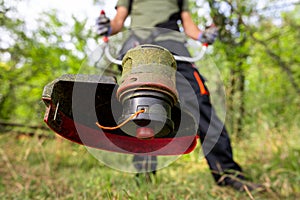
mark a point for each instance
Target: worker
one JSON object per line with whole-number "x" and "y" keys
{"x": 164, "y": 17}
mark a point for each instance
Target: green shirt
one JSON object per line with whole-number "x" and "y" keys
{"x": 149, "y": 13}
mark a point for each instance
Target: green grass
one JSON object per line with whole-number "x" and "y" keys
{"x": 33, "y": 168}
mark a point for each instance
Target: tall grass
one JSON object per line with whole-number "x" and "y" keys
{"x": 41, "y": 168}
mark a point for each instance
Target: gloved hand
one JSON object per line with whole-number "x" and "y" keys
{"x": 209, "y": 35}
{"x": 103, "y": 25}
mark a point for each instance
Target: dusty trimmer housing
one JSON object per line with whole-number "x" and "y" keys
{"x": 75, "y": 103}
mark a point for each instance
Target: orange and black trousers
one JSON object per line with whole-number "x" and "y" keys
{"x": 212, "y": 132}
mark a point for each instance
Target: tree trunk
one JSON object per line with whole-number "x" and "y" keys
{"x": 241, "y": 109}
{"x": 231, "y": 102}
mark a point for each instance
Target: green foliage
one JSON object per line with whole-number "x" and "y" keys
{"x": 36, "y": 58}
{"x": 259, "y": 65}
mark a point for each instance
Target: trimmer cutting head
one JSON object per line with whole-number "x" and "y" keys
{"x": 148, "y": 83}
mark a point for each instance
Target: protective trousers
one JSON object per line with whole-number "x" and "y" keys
{"x": 212, "y": 132}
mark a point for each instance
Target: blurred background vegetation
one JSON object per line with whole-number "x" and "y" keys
{"x": 257, "y": 55}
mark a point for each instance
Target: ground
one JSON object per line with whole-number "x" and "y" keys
{"x": 53, "y": 168}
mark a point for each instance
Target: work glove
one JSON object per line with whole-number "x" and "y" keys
{"x": 209, "y": 35}
{"x": 103, "y": 25}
